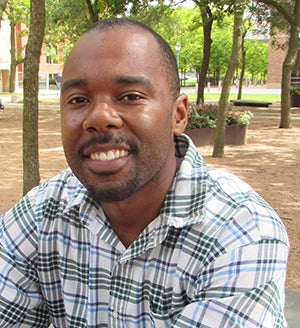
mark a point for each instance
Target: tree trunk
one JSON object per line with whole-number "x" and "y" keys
{"x": 218, "y": 150}
{"x": 241, "y": 79}
{"x": 207, "y": 27}
{"x": 92, "y": 12}
{"x": 13, "y": 61}
{"x": 287, "y": 67}
{"x": 290, "y": 11}
{"x": 31, "y": 175}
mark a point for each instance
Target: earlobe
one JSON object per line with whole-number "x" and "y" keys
{"x": 180, "y": 115}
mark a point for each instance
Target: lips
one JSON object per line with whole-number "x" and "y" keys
{"x": 108, "y": 155}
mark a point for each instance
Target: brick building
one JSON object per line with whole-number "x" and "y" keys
{"x": 49, "y": 68}
{"x": 276, "y": 57}
{"x": 4, "y": 55}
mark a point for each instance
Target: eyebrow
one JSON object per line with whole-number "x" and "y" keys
{"x": 127, "y": 79}
{"x": 120, "y": 79}
{"x": 74, "y": 83}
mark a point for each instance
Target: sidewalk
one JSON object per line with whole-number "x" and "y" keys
{"x": 292, "y": 307}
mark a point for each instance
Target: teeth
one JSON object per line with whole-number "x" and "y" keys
{"x": 110, "y": 155}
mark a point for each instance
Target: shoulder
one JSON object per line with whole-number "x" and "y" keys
{"x": 65, "y": 183}
{"x": 240, "y": 211}
{"x": 56, "y": 192}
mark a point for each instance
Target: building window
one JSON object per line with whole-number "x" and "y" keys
{"x": 51, "y": 55}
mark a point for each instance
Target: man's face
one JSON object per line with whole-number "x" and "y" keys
{"x": 118, "y": 116}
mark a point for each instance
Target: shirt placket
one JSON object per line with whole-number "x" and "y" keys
{"x": 119, "y": 294}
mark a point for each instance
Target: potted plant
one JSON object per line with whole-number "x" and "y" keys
{"x": 203, "y": 119}
{"x": 295, "y": 96}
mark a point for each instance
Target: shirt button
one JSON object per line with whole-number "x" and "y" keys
{"x": 115, "y": 314}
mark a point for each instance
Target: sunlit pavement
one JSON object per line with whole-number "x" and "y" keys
{"x": 292, "y": 309}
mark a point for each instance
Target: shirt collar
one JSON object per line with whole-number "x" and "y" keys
{"x": 185, "y": 200}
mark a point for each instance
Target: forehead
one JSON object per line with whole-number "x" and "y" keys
{"x": 131, "y": 48}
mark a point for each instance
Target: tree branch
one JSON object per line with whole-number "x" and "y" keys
{"x": 280, "y": 7}
{"x": 93, "y": 15}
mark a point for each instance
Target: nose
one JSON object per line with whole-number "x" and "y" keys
{"x": 102, "y": 117}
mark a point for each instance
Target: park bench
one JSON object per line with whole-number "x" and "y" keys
{"x": 253, "y": 103}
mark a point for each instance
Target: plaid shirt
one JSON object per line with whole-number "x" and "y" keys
{"x": 215, "y": 257}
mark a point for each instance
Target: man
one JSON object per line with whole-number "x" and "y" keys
{"x": 58, "y": 81}
{"x": 139, "y": 233}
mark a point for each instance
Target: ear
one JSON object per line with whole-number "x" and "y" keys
{"x": 180, "y": 115}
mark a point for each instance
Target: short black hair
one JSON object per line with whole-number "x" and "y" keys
{"x": 168, "y": 58}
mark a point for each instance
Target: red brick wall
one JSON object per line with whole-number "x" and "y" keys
{"x": 275, "y": 60}
{"x": 5, "y": 80}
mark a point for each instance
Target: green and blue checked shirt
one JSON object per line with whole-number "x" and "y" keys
{"x": 215, "y": 257}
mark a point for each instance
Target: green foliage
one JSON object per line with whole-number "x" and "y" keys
{"x": 221, "y": 47}
{"x": 257, "y": 57}
{"x": 295, "y": 90}
{"x": 17, "y": 12}
{"x": 66, "y": 21}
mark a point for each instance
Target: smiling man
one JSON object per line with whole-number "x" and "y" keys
{"x": 139, "y": 232}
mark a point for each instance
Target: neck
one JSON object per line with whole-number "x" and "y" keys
{"x": 129, "y": 221}
{"x": 131, "y": 216}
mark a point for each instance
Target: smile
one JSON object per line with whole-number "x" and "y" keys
{"x": 108, "y": 156}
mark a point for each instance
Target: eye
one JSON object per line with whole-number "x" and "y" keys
{"x": 78, "y": 100}
{"x": 131, "y": 97}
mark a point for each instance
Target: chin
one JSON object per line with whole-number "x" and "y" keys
{"x": 112, "y": 194}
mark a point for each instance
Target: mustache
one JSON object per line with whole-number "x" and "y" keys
{"x": 104, "y": 139}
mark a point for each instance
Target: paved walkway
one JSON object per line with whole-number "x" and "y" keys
{"x": 292, "y": 309}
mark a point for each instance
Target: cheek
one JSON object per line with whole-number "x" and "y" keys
{"x": 71, "y": 126}
{"x": 70, "y": 134}
{"x": 151, "y": 123}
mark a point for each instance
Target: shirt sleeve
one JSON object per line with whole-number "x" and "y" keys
{"x": 245, "y": 289}
{"x": 21, "y": 301}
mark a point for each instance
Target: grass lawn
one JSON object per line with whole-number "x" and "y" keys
{"x": 208, "y": 96}
{"x": 261, "y": 97}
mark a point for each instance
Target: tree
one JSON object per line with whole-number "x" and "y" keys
{"x": 107, "y": 8}
{"x": 3, "y": 4}
{"x": 17, "y": 13}
{"x": 220, "y": 48}
{"x": 290, "y": 12}
{"x": 218, "y": 150}
{"x": 207, "y": 21}
{"x": 31, "y": 175}
{"x": 257, "y": 58}
{"x": 67, "y": 20}
{"x": 210, "y": 11}
{"x": 181, "y": 25}
{"x": 246, "y": 26}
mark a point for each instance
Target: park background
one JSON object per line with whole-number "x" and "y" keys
{"x": 270, "y": 159}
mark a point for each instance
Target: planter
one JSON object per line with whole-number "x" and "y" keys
{"x": 202, "y": 137}
{"x": 295, "y": 100}
{"x": 234, "y": 135}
